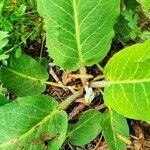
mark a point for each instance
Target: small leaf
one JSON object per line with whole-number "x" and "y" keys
{"x": 128, "y": 72}
{"x": 86, "y": 129}
{"x": 24, "y": 76}
{"x": 3, "y": 39}
{"x": 32, "y": 123}
{"x": 78, "y": 32}
{"x": 21, "y": 10}
{"x": 114, "y": 126}
{"x": 7, "y": 26}
{"x": 18, "y": 52}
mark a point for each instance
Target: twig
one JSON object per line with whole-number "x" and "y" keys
{"x": 51, "y": 71}
{"x": 98, "y": 143}
{"x": 53, "y": 74}
{"x": 102, "y": 106}
{"x": 76, "y": 111}
{"x": 81, "y": 76}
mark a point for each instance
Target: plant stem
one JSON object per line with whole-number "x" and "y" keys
{"x": 69, "y": 100}
{"x": 100, "y": 84}
{"x": 100, "y": 68}
{"x": 100, "y": 107}
{"x": 58, "y": 80}
{"x": 98, "y": 77}
{"x": 87, "y": 76}
{"x": 83, "y": 73}
{"x": 19, "y": 43}
{"x": 55, "y": 84}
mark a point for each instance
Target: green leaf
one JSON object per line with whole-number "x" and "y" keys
{"x": 21, "y": 10}
{"x": 128, "y": 90}
{"x": 114, "y": 126}
{"x": 3, "y": 100}
{"x": 18, "y": 52}
{"x": 3, "y": 39}
{"x": 32, "y": 123}
{"x": 24, "y": 76}
{"x": 78, "y": 32}
{"x": 7, "y": 26}
{"x": 86, "y": 129}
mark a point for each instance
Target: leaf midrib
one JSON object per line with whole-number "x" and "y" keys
{"x": 113, "y": 129}
{"x": 25, "y": 76}
{"x": 77, "y": 31}
{"x": 41, "y": 81}
{"x": 130, "y": 81}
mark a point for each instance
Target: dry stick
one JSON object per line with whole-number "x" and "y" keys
{"x": 102, "y": 106}
{"x": 76, "y": 111}
{"x": 51, "y": 71}
{"x": 98, "y": 144}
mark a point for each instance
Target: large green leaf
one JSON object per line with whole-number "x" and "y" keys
{"x": 33, "y": 123}
{"x": 114, "y": 126}
{"x": 79, "y": 32}
{"x": 86, "y": 129}
{"x": 128, "y": 90}
{"x": 24, "y": 76}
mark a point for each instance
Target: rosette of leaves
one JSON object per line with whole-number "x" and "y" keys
{"x": 79, "y": 33}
